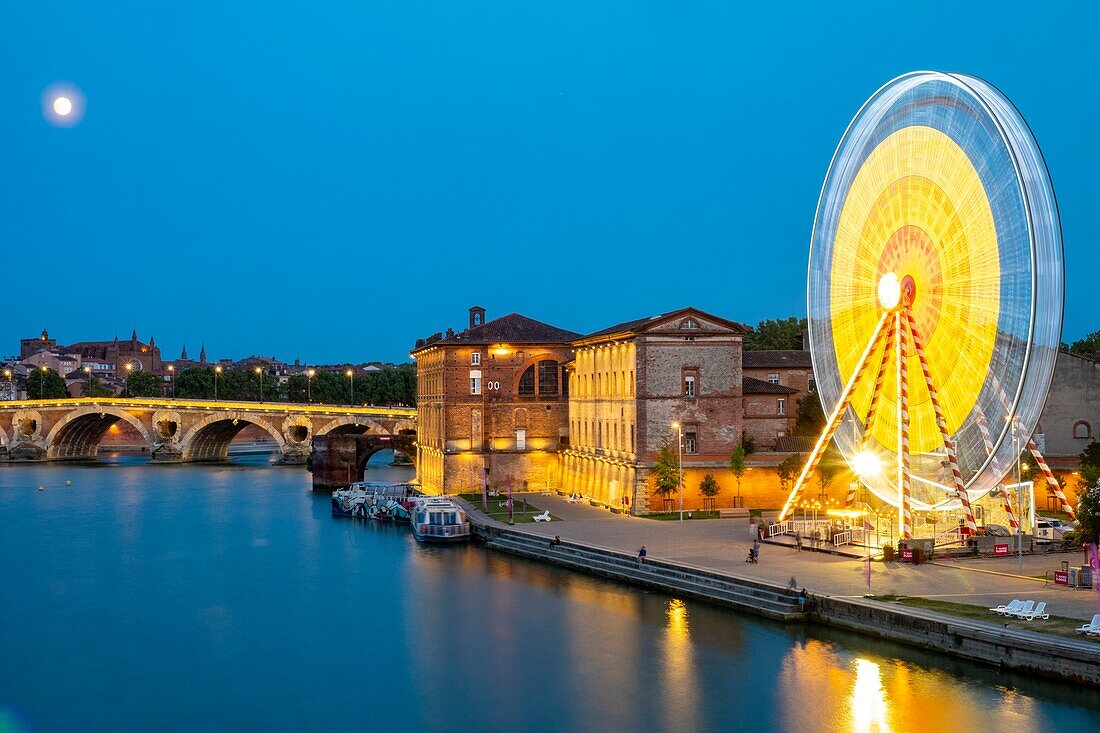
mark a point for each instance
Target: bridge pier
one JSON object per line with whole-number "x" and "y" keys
{"x": 167, "y": 453}
{"x": 26, "y": 452}
{"x": 296, "y": 454}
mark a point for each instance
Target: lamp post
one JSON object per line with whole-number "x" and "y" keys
{"x": 88, "y": 383}
{"x": 11, "y": 383}
{"x": 217, "y": 371}
{"x": 351, "y": 381}
{"x": 260, "y": 374}
{"x": 172, "y": 378}
{"x": 129, "y": 368}
{"x": 42, "y": 383}
{"x": 309, "y": 384}
{"x": 680, "y": 464}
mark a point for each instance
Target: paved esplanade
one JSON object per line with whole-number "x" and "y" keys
{"x": 181, "y": 430}
{"x": 722, "y": 544}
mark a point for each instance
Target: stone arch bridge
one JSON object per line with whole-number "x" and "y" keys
{"x": 190, "y": 430}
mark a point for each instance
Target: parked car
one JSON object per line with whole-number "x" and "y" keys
{"x": 1051, "y": 530}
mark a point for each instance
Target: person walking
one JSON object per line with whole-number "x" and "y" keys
{"x": 798, "y": 540}
{"x": 641, "y": 555}
{"x": 792, "y": 587}
{"x": 756, "y": 550}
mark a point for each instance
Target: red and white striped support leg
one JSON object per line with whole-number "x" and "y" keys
{"x": 876, "y": 391}
{"x": 1054, "y": 486}
{"x": 905, "y": 513}
{"x": 832, "y": 423}
{"x": 853, "y": 492}
{"x": 941, "y": 423}
{"x": 987, "y": 440}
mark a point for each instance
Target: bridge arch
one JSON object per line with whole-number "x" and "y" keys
{"x": 352, "y": 425}
{"x": 78, "y": 434}
{"x": 209, "y": 438}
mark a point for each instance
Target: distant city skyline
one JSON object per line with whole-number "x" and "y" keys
{"x": 330, "y": 184}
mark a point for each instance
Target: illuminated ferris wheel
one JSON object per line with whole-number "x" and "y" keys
{"x": 935, "y": 295}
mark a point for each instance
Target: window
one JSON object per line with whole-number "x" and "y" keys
{"x": 521, "y": 440}
{"x": 475, "y": 381}
{"x": 527, "y": 381}
{"x": 690, "y": 443}
{"x": 689, "y": 382}
{"x": 773, "y": 379}
{"x": 548, "y": 377}
{"x": 475, "y": 358}
{"x": 631, "y": 437}
{"x": 690, "y": 323}
{"x": 1082, "y": 430}
{"x": 781, "y": 406}
{"x": 689, "y": 385}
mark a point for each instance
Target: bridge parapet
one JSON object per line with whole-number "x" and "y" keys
{"x": 181, "y": 430}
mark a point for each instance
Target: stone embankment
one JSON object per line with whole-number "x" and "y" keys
{"x": 750, "y": 596}
{"x": 982, "y": 642}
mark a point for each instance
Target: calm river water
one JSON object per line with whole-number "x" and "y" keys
{"x": 184, "y": 598}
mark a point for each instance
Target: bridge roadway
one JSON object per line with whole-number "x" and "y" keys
{"x": 188, "y": 430}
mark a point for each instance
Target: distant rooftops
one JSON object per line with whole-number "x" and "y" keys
{"x": 752, "y": 385}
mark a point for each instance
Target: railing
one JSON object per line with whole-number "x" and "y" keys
{"x": 444, "y": 530}
{"x": 779, "y": 528}
{"x": 842, "y": 538}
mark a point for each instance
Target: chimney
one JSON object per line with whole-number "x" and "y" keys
{"x": 477, "y": 316}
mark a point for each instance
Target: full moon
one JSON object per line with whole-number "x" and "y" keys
{"x": 63, "y": 106}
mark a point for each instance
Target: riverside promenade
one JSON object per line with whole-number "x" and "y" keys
{"x": 705, "y": 559}
{"x": 722, "y": 544}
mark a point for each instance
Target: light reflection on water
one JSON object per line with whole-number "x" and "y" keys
{"x": 234, "y": 590}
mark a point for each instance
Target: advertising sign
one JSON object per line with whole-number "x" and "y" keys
{"x": 1000, "y": 550}
{"x": 907, "y": 554}
{"x": 1061, "y": 577}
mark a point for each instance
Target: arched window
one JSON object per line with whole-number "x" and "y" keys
{"x": 548, "y": 377}
{"x": 527, "y": 381}
{"x": 1082, "y": 430}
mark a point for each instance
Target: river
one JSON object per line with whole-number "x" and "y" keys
{"x": 183, "y": 598}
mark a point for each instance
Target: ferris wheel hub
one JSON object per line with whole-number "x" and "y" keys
{"x": 889, "y": 291}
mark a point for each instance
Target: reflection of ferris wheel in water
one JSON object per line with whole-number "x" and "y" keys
{"x": 934, "y": 295}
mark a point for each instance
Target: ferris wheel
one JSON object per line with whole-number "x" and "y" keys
{"x": 935, "y": 296}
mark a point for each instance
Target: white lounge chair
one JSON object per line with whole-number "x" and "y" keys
{"x": 1012, "y": 606}
{"x": 1038, "y": 612}
{"x": 1092, "y": 628}
{"x": 1022, "y": 610}
{"x": 544, "y": 517}
{"x": 574, "y": 498}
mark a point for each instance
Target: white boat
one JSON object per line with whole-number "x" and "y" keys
{"x": 438, "y": 519}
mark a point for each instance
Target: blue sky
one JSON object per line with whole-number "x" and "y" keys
{"x": 333, "y": 180}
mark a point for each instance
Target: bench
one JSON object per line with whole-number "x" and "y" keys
{"x": 729, "y": 513}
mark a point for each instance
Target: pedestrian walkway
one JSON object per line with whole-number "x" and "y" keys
{"x": 723, "y": 544}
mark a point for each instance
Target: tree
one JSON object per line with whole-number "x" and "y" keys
{"x": 788, "y": 470}
{"x": 1087, "y": 346}
{"x": 737, "y": 465}
{"x": 1090, "y": 464}
{"x": 196, "y": 383}
{"x": 709, "y": 488}
{"x": 667, "y": 470}
{"x": 45, "y": 384}
{"x": 1088, "y": 514}
{"x": 749, "y": 444}
{"x": 809, "y": 419}
{"x": 95, "y": 388}
{"x": 828, "y": 467}
{"x": 779, "y": 333}
{"x": 144, "y": 384}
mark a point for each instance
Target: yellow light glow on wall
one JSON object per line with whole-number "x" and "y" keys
{"x": 917, "y": 208}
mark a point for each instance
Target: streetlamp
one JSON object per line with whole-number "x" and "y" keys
{"x": 680, "y": 465}
{"x": 11, "y": 383}
{"x": 88, "y": 371}
{"x": 42, "y": 383}
{"x": 129, "y": 368}
{"x": 172, "y": 378}
{"x": 351, "y": 381}
{"x": 260, "y": 374}
{"x": 217, "y": 371}
{"x": 310, "y": 373}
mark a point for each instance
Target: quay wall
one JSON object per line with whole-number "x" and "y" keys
{"x": 974, "y": 640}
{"x": 1023, "y": 651}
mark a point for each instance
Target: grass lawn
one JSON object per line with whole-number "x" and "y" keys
{"x": 1058, "y": 625}
{"x": 693, "y": 514}
{"x": 500, "y": 513}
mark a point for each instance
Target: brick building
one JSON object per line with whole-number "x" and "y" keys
{"x": 492, "y": 400}
{"x": 630, "y": 382}
{"x": 107, "y": 359}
